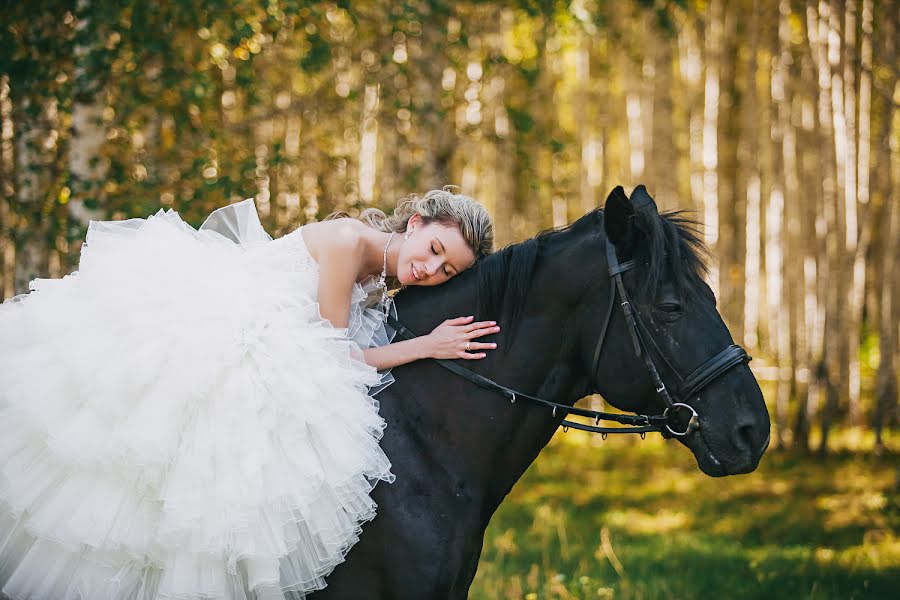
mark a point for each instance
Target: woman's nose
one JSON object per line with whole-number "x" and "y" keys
{"x": 436, "y": 265}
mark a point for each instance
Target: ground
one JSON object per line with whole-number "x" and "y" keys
{"x": 631, "y": 519}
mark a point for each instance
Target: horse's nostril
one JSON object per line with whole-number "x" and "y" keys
{"x": 743, "y": 438}
{"x": 750, "y": 442}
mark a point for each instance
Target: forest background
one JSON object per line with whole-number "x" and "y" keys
{"x": 776, "y": 121}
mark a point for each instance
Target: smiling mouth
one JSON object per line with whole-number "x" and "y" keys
{"x": 415, "y": 273}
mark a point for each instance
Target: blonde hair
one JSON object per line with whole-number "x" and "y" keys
{"x": 443, "y": 206}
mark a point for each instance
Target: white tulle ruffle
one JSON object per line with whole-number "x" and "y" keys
{"x": 178, "y": 421}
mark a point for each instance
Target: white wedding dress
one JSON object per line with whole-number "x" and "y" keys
{"x": 177, "y": 420}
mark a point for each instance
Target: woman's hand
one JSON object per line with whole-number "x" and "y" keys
{"x": 453, "y": 338}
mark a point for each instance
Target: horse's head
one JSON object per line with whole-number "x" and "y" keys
{"x": 678, "y": 329}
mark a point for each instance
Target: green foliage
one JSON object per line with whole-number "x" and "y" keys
{"x": 166, "y": 70}
{"x": 521, "y": 119}
{"x": 664, "y": 13}
{"x": 318, "y": 54}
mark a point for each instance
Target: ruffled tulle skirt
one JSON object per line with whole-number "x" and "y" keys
{"x": 178, "y": 421}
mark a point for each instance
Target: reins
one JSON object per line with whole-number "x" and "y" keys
{"x": 642, "y": 423}
{"x": 730, "y": 357}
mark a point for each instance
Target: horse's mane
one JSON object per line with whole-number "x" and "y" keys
{"x": 672, "y": 244}
{"x": 671, "y": 241}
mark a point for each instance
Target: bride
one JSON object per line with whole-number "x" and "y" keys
{"x": 191, "y": 414}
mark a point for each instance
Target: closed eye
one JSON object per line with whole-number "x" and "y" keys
{"x": 669, "y": 312}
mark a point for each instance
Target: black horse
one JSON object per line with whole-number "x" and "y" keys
{"x": 457, "y": 449}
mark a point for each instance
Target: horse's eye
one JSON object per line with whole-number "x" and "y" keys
{"x": 670, "y": 307}
{"x": 669, "y": 312}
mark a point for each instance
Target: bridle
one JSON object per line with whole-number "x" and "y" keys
{"x": 641, "y": 339}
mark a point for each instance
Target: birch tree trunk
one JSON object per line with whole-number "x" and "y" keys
{"x": 886, "y": 388}
{"x": 730, "y": 202}
{"x": 855, "y": 223}
{"x": 7, "y": 175}
{"x": 750, "y": 182}
{"x": 778, "y": 233}
{"x": 794, "y": 342}
{"x": 34, "y": 141}
{"x": 86, "y": 167}
{"x": 828, "y": 269}
{"x": 710, "y": 156}
{"x": 887, "y": 392}
{"x": 662, "y": 167}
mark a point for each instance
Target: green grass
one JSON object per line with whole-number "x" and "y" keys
{"x": 801, "y": 526}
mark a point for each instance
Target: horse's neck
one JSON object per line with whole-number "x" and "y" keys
{"x": 490, "y": 440}
{"x": 535, "y": 365}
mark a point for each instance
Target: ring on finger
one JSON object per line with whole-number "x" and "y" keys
{"x": 467, "y": 346}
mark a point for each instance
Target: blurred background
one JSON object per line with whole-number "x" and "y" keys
{"x": 776, "y": 121}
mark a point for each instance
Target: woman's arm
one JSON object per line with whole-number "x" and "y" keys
{"x": 339, "y": 258}
{"x": 448, "y": 340}
{"x": 396, "y": 353}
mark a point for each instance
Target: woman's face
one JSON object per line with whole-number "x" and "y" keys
{"x": 432, "y": 254}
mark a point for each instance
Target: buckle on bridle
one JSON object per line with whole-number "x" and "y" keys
{"x": 693, "y": 423}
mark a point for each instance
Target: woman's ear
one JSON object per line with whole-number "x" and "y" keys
{"x": 414, "y": 222}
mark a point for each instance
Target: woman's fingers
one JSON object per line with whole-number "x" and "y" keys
{"x": 483, "y": 331}
{"x": 459, "y": 320}
{"x": 469, "y": 352}
{"x": 479, "y": 325}
{"x": 471, "y": 330}
{"x": 481, "y": 346}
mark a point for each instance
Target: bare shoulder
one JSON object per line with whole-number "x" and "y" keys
{"x": 338, "y": 238}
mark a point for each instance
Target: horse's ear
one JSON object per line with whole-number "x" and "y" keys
{"x": 619, "y": 220}
{"x": 643, "y": 203}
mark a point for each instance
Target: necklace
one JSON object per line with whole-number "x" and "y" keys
{"x": 382, "y": 280}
